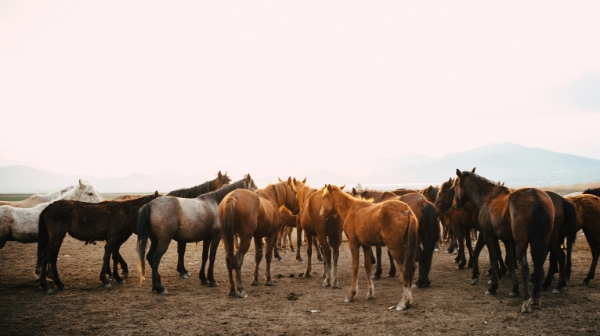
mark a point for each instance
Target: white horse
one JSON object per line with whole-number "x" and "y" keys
{"x": 21, "y": 224}
{"x": 68, "y": 193}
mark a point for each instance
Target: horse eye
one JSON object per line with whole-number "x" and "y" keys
{"x": 90, "y": 194}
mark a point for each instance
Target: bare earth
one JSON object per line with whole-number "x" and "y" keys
{"x": 450, "y": 306}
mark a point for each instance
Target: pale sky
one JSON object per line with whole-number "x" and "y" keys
{"x": 114, "y": 88}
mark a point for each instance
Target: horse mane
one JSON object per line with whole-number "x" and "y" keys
{"x": 218, "y": 195}
{"x": 279, "y": 189}
{"x": 193, "y": 192}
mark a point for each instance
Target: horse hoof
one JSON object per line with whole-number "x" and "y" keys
{"x": 474, "y": 281}
{"x": 488, "y": 273}
{"x": 531, "y": 284}
{"x": 184, "y": 276}
{"x": 110, "y": 278}
{"x": 376, "y": 277}
{"x": 164, "y": 292}
{"x": 280, "y": 259}
{"x": 402, "y": 306}
{"x": 214, "y": 284}
{"x": 49, "y": 291}
{"x": 125, "y": 275}
{"x": 455, "y": 261}
{"x": 335, "y": 286}
{"x": 513, "y": 294}
{"x": 526, "y": 308}
{"x": 489, "y": 282}
{"x": 121, "y": 282}
{"x": 320, "y": 261}
{"x": 346, "y": 300}
{"x": 390, "y": 275}
{"x": 268, "y": 283}
{"x": 584, "y": 282}
{"x": 232, "y": 293}
{"x": 415, "y": 286}
{"x": 489, "y": 292}
{"x": 326, "y": 283}
{"x": 254, "y": 283}
{"x": 460, "y": 267}
{"x": 304, "y": 275}
{"x": 242, "y": 294}
{"x": 107, "y": 285}
{"x": 204, "y": 282}
{"x": 556, "y": 291}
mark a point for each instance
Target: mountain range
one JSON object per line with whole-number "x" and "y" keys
{"x": 513, "y": 164}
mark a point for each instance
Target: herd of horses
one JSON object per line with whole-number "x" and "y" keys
{"x": 405, "y": 221}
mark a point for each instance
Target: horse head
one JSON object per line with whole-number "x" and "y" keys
{"x": 85, "y": 192}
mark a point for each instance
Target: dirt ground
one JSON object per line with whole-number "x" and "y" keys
{"x": 451, "y": 305}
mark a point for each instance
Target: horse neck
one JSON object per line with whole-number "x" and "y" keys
{"x": 72, "y": 194}
{"x": 270, "y": 192}
{"x": 55, "y": 195}
{"x": 343, "y": 202}
{"x": 218, "y": 195}
{"x": 481, "y": 190}
{"x": 303, "y": 193}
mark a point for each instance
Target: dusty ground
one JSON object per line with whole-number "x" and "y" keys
{"x": 451, "y": 305}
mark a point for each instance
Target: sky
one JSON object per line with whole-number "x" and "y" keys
{"x": 113, "y": 88}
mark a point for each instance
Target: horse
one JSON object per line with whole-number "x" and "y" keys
{"x": 429, "y": 231}
{"x": 288, "y": 223}
{"x": 588, "y": 219}
{"x": 255, "y": 215}
{"x": 327, "y": 232}
{"x": 366, "y": 224}
{"x": 519, "y": 218}
{"x": 590, "y": 191}
{"x": 430, "y": 193}
{"x": 89, "y": 222}
{"x": 81, "y": 191}
{"x": 184, "y": 220}
{"x": 403, "y": 191}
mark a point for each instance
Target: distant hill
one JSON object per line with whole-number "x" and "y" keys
{"x": 513, "y": 164}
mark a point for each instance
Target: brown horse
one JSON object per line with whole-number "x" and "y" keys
{"x": 184, "y": 220}
{"x": 403, "y": 191}
{"x": 588, "y": 219}
{"x": 89, "y": 222}
{"x": 429, "y": 231}
{"x": 328, "y": 232}
{"x": 367, "y": 224}
{"x": 253, "y": 215}
{"x": 519, "y": 218}
{"x": 288, "y": 223}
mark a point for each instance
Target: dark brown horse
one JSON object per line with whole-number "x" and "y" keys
{"x": 328, "y": 232}
{"x": 429, "y": 231}
{"x": 588, "y": 219}
{"x": 519, "y": 218}
{"x": 430, "y": 193}
{"x": 390, "y": 223}
{"x": 590, "y": 191}
{"x": 89, "y": 222}
{"x": 184, "y": 220}
{"x": 253, "y": 215}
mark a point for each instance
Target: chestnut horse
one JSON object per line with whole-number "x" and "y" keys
{"x": 287, "y": 223}
{"x": 328, "y": 232}
{"x": 429, "y": 231}
{"x": 184, "y": 220}
{"x": 519, "y": 218}
{"x": 253, "y": 215}
{"x": 367, "y": 224}
{"x": 89, "y": 222}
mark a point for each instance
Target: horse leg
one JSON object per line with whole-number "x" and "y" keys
{"x": 214, "y": 244}
{"x": 239, "y": 261}
{"x": 355, "y": 251}
{"x": 560, "y": 259}
{"x": 124, "y": 267}
{"x": 268, "y": 257}
{"x": 276, "y": 252}
{"x": 512, "y": 270}
{"x": 327, "y": 264}
{"x": 319, "y": 255}
{"x": 493, "y": 248}
{"x": 183, "y": 273}
{"x": 595, "y": 249}
{"x": 116, "y": 256}
{"x": 298, "y": 243}
{"x": 378, "y": 268}
{"x": 205, "y": 251}
{"x": 106, "y": 264}
{"x": 230, "y": 262}
{"x": 309, "y": 244}
{"x": 257, "y": 258}
{"x": 367, "y": 252}
{"x": 469, "y": 245}
{"x": 54, "y": 269}
{"x": 334, "y": 277}
{"x": 159, "y": 250}
{"x": 522, "y": 255}
{"x": 392, "y": 272}
{"x": 289, "y": 237}
{"x": 475, "y": 261}
{"x": 461, "y": 260}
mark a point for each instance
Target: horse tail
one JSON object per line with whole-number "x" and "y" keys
{"x": 43, "y": 237}
{"x": 411, "y": 243}
{"x": 539, "y": 245}
{"x": 228, "y": 227}
{"x": 332, "y": 230}
{"x": 571, "y": 225}
{"x": 429, "y": 232}
{"x": 143, "y": 224}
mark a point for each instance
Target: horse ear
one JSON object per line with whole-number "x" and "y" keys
{"x": 248, "y": 177}
{"x": 290, "y": 180}
{"x": 342, "y": 187}
{"x": 279, "y": 179}
{"x": 458, "y": 173}
{"x": 473, "y": 170}
{"x": 329, "y": 187}
{"x": 156, "y": 193}
{"x": 450, "y": 179}
{"x": 304, "y": 181}
{"x": 81, "y": 185}
{"x": 354, "y": 192}
{"x": 294, "y": 180}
